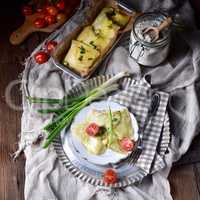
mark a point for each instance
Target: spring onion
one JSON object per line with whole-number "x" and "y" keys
{"x": 71, "y": 106}
{"x": 110, "y": 129}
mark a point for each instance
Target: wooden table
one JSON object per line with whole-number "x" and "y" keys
{"x": 184, "y": 177}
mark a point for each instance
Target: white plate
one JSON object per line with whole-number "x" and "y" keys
{"x": 109, "y": 156}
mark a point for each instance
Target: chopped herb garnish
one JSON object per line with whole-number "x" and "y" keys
{"x": 113, "y": 13}
{"x": 90, "y": 58}
{"x": 92, "y": 43}
{"x": 115, "y": 119}
{"x": 80, "y": 58}
{"x": 82, "y": 50}
{"x": 110, "y": 26}
{"x": 102, "y": 131}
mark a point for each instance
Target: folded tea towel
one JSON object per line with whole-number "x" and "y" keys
{"x": 47, "y": 179}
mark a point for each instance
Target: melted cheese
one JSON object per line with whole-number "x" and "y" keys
{"x": 80, "y": 56}
{"x": 105, "y": 26}
{"x": 96, "y": 41}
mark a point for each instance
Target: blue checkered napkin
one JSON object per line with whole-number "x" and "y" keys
{"x": 136, "y": 96}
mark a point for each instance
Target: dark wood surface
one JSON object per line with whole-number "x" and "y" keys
{"x": 184, "y": 177}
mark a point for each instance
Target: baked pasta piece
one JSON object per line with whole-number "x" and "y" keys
{"x": 94, "y": 41}
{"x": 105, "y": 26}
{"x": 118, "y": 17}
{"x": 97, "y": 41}
{"x": 122, "y": 128}
{"x": 81, "y": 57}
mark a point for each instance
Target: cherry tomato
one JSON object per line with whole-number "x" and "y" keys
{"x": 127, "y": 144}
{"x": 40, "y": 23}
{"x": 61, "y": 5}
{"x": 39, "y": 10}
{"x": 41, "y": 57}
{"x": 50, "y": 46}
{"x": 52, "y": 10}
{"x": 92, "y": 129}
{"x": 110, "y": 176}
{"x": 50, "y": 19}
{"x": 61, "y": 17}
{"x": 27, "y": 10}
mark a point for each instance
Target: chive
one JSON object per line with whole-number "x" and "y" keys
{"x": 53, "y": 110}
{"x": 82, "y": 50}
{"x": 110, "y": 129}
{"x": 90, "y": 58}
{"x": 80, "y": 58}
{"x": 92, "y": 43}
{"x": 56, "y": 121}
{"x": 65, "y": 101}
{"x": 43, "y": 100}
{"x": 65, "y": 122}
{"x": 111, "y": 14}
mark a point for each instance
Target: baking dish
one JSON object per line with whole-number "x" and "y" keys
{"x": 94, "y": 9}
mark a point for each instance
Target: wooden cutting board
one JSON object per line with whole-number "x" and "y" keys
{"x": 19, "y": 35}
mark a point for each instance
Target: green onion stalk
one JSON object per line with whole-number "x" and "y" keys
{"x": 110, "y": 129}
{"x": 71, "y": 106}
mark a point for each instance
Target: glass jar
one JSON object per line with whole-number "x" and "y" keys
{"x": 141, "y": 47}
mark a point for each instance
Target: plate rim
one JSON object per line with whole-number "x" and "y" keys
{"x": 58, "y": 147}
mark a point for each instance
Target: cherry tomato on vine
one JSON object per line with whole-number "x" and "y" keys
{"x": 92, "y": 129}
{"x": 110, "y": 176}
{"x": 50, "y": 46}
{"x": 50, "y": 19}
{"x": 27, "y": 10}
{"x": 40, "y": 23}
{"x": 61, "y": 5}
{"x": 61, "y": 17}
{"x": 127, "y": 144}
{"x": 39, "y": 10}
{"x": 52, "y": 10}
{"x": 41, "y": 57}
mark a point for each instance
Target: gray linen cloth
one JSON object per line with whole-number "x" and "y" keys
{"x": 47, "y": 179}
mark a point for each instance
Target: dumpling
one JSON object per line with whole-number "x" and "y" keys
{"x": 105, "y": 26}
{"x": 95, "y": 40}
{"x": 122, "y": 128}
{"x": 81, "y": 57}
{"x": 119, "y": 18}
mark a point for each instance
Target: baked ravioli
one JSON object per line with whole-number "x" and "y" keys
{"x": 122, "y": 128}
{"x": 104, "y": 26}
{"x": 118, "y": 18}
{"x": 81, "y": 57}
{"x": 95, "y": 40}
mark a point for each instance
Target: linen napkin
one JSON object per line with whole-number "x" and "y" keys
{"x": 47, "y": 179}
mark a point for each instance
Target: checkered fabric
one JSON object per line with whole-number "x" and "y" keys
{"x": 136, "y": 96}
